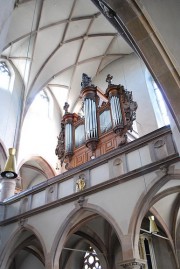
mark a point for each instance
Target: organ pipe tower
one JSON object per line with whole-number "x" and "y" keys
{"x": 103, "y": 127}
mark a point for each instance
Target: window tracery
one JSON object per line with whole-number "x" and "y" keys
{"x": 91, "y": 260}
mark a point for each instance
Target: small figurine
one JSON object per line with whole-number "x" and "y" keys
{"x": 86, "y": 81}
{"x": 80, "y": 184}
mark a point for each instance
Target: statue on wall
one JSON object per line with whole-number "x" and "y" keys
{"x": 80, "y": 184}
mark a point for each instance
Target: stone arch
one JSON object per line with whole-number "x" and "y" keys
{"x": 145, "y": 204}
{"x": 48, "y": 170}
{"x": 10, "y": 249}
{"x": 178, "y": 243}
{"x": 75, "y": 220}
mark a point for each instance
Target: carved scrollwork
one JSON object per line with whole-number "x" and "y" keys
{"x": 130, "y": 107}
{"x": 60, "y": 149}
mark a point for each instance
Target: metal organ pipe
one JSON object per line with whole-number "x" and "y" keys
{"x": 85, "y": 113}
{"x": 94, "y": 119}
{"x": 116, "y": 110}
{"x": 90, "y": 119}
{"x": 119, "y": 110}
{"x": 113, "y": 111}
{"x": 68, "y": 137}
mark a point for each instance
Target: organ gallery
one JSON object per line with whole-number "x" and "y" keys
{"x": 101, "y": 127}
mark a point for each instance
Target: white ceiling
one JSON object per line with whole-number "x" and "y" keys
{"x": 53, "y": 42}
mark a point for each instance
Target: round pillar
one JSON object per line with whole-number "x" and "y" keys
{"x": 7, "y": 188}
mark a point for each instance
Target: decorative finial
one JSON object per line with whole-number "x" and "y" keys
{"x": 66, "y": 106}
{"x": 108, "y": 79}
{"x": 86, "y": 81}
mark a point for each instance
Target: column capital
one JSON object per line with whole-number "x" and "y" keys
{"x": 133, "y": 264}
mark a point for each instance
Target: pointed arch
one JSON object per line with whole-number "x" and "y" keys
{"x": 132, "y": 23}
{"x": 46, "y": 167}
{"x": 12, "y": 246}
{"x": 74, "y": 220}
{"x": 145, "y": 204}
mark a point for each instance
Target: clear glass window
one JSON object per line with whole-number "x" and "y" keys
{"x": 161, "y": 103}
{"x": 5, "y": 76}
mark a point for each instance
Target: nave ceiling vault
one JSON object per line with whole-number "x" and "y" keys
{"x": 60, "y": 41}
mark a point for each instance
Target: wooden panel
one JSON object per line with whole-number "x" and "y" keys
{"x": 107, "y": 142}
{"x": 88, "y": 155}
{"x": 109, "y": 145}
{"x": 80, "y": 159}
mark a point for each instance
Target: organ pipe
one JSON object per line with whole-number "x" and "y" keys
{"x": 68, "y": 138}
{"x": 90, "y": 119}
{"x": 93, "y": 129}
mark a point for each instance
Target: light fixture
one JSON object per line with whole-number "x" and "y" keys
{"x": 10, "y": 166}
{"x": 153, "y": 227}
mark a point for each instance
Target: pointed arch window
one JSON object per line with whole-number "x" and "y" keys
{"x": 5, "y": 76}
{"x": 91, "y": 260}
{"x": 146, "y": 251}
{"x": 161, "y": 103}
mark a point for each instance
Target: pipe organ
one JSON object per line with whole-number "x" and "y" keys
{"x": 103, "y": 127}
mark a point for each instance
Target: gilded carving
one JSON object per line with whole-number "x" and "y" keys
{"x": 80, "y": 184}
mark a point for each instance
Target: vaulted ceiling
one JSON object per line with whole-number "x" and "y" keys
{"x": 55, "y": 41}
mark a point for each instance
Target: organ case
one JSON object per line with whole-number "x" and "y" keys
{"x": 103, "y": 127}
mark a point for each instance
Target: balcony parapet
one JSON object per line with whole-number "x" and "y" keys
{"x": 136, "y": 158}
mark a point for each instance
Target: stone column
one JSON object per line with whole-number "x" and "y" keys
{"x": 7, "y": 188}
{"x": 133, "y": 264}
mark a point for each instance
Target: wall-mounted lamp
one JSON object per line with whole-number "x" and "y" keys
{"x": 10, "y": 166}
{"x": 153, "y": 227}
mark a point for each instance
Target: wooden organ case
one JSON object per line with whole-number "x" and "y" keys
{"x": 103, "y": 127}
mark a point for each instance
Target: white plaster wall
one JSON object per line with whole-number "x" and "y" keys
{"x": 6, "y": 8}
{"x": 175, "y": 132}
{"x": 10, "y": 109}
{"x": 12, "y": 210}
{"x": 163, "y": 16}
{"x": 130, "y": 72}
{"x": 48, "y": 223}
{"x": 26, "y": 260}
{"x": 6, "y": 235}
{"x": 39, "y": 135}
{"x": 66, "y": 188}
{"x": 120, "y": 201}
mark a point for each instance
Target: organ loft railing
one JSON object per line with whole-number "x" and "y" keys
{"x": 103, "y": 127}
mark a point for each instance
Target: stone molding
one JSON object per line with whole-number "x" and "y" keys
{"x": 133, "y": 264}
